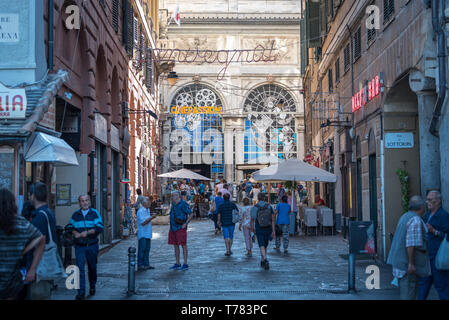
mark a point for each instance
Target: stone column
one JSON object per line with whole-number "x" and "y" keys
{"x": 228, "y": 153}
{"x": 239, "y": 152}
{"x": 429, "y": 144}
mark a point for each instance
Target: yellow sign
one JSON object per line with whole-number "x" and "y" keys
{"x": 192, "y": 109}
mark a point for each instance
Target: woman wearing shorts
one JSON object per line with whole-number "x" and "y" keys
{"x": 225, "y": 222}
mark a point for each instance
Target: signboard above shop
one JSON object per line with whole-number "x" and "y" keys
{"x": 368, "y": 92}
{"x": 399, "y": 140}
{"x": 13, "y": 103}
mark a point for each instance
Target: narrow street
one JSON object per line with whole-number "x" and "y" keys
{"x": 315, "y": 268}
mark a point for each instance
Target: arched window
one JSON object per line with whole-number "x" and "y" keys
{"x": 270, "y": 125}
{"x": 197, "y": 138}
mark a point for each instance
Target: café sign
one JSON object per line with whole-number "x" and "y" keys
{"x": 369, "y": 91}
{"x": 13, "y": 103}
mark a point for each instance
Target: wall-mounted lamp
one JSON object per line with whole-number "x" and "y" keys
{"x": 172, "y": 78}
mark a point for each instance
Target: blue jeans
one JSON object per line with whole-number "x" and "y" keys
{"x": 440, "y": 278}
{"x": 228, "y": 231}
{"x": 143, "y": 252}
{"x": 87, "y": 254}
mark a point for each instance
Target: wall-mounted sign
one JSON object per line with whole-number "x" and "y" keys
{"x": 399, "y": 140}
{"x": 101, "y": 128}
{"x": 369, "y": 91}
{"x": 63, "y": 195}
{"x": 9, "y": 27}
{"x": 13, "y": 103}
{"x": 195, "y": 110}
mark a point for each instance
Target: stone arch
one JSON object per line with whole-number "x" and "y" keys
{"x": 270, "y": 133}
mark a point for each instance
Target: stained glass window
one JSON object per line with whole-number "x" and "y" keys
{"x": 270, "y": 125}
{"x": 197, "y": 138}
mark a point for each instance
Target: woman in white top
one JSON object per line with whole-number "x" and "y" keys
{"x": 255, "y": 192}
{"x": 245, "y": 222}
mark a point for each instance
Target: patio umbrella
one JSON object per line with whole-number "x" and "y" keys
{"x": 293, "y": 170}
{"x": 183, "y": 174}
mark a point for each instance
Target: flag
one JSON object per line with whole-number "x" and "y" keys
{"x": 176, "y": 15}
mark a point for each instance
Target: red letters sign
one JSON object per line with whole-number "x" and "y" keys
{"x": 367, "y": 93}
{"x": 13, "y": 103}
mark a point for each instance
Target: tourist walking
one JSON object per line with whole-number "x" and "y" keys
{"x": 86, "y": 225}
{"x": 263, "y": 217}
{"x": 283, "y": 210}
{"x": 225, "y": 221}
{"x": 44, "y": 220}
{"x": 144, "y": 235}
{"x": 225, "y": 190}
{"x": 245, "y": 224}
{"x": 294, "y": 211}
{"x": 180, "y": 216}
{"x": 408, "y": 253}
{"x": 17, "y": 237}
{"x": 437, "y": 223}
{"x": 254, "y": 193}
{"x": 217, "y": 202}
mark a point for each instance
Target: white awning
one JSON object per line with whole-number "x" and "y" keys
{"x": 47, "y": 148}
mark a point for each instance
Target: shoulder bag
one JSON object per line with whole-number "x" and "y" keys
{"x": 50, "y": 267}
{"x": 235, "y": 215}
{"x": 442, "y": 258}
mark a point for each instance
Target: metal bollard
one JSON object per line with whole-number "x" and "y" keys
{"x": 131, "y": 270}
{"x": 351, "y": 273}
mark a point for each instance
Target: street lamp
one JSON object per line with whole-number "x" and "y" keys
{"x": 172, "y": 78}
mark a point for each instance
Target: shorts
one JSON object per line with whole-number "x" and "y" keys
{"x": 264, "y": 235}
{"x": 178, "y": 238}
{"x": 228, "y": 231}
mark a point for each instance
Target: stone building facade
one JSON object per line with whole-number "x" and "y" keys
{"x": 369, "y": 96}
{"x": 262, "y": 110}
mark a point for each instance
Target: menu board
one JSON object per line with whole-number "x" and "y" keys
{"x": 6, "y": 168}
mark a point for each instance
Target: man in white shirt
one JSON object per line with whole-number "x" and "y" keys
{"x": 144, "y": 235}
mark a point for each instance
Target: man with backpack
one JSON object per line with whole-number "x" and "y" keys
{"x": 264, "y": 217}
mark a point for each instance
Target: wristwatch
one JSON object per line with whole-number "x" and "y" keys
{"x": 436, "y": 233}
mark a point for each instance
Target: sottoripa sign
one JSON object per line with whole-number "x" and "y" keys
{"x": 13, "y": 103}
{"x": 399, "y": 140}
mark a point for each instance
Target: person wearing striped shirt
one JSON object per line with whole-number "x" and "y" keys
{"x": 86, "y": 224}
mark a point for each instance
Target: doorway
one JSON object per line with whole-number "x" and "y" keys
{"x": 373, "y": 194}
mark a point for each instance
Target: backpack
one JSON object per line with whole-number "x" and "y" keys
{"x": 264, "y": 215}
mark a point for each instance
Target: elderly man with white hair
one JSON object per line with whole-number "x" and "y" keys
{"x": 408, "y": 253}
{"x": 144, "y": 235}
{"x": 180, "y": 216}
{"x": 437, "y": 222}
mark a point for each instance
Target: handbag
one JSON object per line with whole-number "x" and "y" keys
{"x": 235, "y": 216}
{"x": 50, "y": 267}
{"x": 442, "y": 258}
{"x": 13, "y": 285}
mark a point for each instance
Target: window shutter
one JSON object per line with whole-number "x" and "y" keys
{"x": 115, "y": 6}
{"x": 330, "y": 80}
{"x": 388, "y": 10}
{"x": 128, "y": 27}
{"x": 313, "y": 28}
{"x": 337, "y": 70}
{"x": 150, "y": 71}
{"x": 357, "y": 44}
{"x": 370, "y": 35}
{"x": 304, "y": 49}
{"x": 347, "y": 58}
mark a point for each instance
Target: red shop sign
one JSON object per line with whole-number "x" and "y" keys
{"x": 371, "y": 90}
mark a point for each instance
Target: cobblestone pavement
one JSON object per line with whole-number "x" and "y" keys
{"x": 315, "y": 268}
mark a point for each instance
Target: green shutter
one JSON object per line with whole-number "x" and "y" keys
{"x": 304, "y": 49}
{"x": 313, "y": 27}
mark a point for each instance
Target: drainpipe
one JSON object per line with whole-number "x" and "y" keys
{"x": 50, "y": 34}
{"x": 382, "y": 186}
{"x": 441, "y": 42}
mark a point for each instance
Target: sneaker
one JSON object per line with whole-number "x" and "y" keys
{"x": 277, "y": 249}
{"x": 227, "y": 254}
{"x": 267, "y": 265}
{"x": 184, "y": 267}
{"x": 175, "y": 267}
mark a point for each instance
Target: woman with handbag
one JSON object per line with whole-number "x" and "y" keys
{"x": 17, "y": 237}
